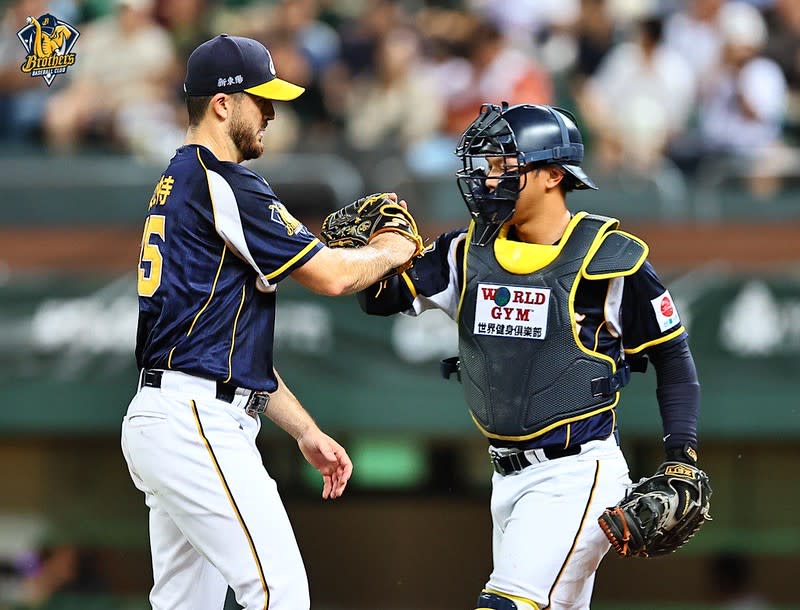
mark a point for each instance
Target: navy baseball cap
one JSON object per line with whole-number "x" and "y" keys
{"x": 229, "y": 64}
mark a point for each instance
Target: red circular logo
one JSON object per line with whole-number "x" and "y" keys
{"x": 666, "y": 307}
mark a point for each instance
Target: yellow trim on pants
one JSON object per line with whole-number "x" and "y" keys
{"x": 233, "y": 504}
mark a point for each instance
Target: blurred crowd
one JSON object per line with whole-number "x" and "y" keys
{"x": 660, "y": 86}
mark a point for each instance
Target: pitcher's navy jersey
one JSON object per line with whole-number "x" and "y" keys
{"x": 620, "y": 317}
{"x": 216, "y": 243}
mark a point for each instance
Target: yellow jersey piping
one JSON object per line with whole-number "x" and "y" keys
{"x": 233, "y": 334}
{"x": 211, "y": 295}
{"x": 597, "y": 334}
{"x": 672, "y": 335}
{"x": 293, "y": 260}
{"x": 208, "y": 182}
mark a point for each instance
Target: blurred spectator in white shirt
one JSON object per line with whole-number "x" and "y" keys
{"x": 694, "y": 33}
{"x": 639, "y": 99}
{"x": 743, "y": 112}
{"x": 521, "y": 21}
{"x": 119, "y": 91}
{"x": 784, "y": 47}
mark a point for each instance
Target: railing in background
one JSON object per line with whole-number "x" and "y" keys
{"x": 37, "y": 189}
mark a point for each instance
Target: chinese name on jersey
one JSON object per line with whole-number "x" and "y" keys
{"x": 512, "y": 311}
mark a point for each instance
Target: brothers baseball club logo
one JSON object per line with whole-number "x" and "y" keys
{"x": 49, "y": 43}
{"x": 282, "y": 216}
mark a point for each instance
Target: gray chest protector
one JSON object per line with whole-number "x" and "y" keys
{"x": 522, "y": 366}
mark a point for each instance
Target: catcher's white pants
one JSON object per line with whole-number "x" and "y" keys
{"x": 216, "y": 518}
{"x": 547, "y": 544}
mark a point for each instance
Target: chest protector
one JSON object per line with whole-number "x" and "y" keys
{"x": 522, "y": 365}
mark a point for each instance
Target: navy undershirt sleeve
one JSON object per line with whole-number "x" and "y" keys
{"x": 678, "y": 394}
{"x": 385, "y": 298}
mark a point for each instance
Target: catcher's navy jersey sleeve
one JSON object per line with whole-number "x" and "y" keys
{"x": 434, "y": 282}
{"x": 648, "y": 316}
{"x": 216, "y": 242}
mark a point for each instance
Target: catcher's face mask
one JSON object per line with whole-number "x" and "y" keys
{"x": 490, "y": 205}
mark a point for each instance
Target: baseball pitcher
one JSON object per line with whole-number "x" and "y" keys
{"x": 217, "y": 243}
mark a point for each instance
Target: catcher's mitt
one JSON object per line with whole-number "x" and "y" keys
{"x": 660, "y": 513}
{"x": 356, "y": 224}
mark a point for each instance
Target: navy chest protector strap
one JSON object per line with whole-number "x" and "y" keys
{"x": 602, "y": 386}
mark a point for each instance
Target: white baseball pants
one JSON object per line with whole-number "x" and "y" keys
{"x": 216, "y": 518}
{"x": 547, "y": 544}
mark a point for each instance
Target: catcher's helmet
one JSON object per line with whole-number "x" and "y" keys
{"x": 533, "y": 135}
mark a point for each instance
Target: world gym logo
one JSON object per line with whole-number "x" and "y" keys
{"x": 49, "y": 43}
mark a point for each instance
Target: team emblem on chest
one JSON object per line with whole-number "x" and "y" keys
{"x": 511, "y": 311}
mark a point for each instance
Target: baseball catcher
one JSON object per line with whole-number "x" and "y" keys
{"x": 543, "y": 354}
{"x": 356, "y": 224}
{"x": 660, "y": 513}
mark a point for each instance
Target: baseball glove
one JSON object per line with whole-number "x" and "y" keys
{"x": 660, "y": 513}
{"x": 356, "y": 224}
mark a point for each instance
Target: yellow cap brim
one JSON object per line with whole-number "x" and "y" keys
{"x": 277, "y": 89}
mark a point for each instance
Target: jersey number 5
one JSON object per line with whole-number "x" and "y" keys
{"x": 150, "y": 259}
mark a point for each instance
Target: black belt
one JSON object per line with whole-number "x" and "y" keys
{"x": 256, "y": 403}
{"x": 514, "y": 462}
